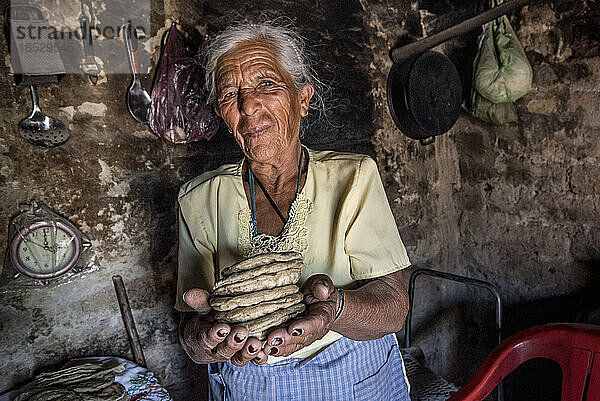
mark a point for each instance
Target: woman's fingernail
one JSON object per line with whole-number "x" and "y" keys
{"x": 252, "y": 349}
{"x": 256, "y": 360}
{"x": 297, "y": 332}
{"x": 239, "y": 337}
{"x": 273, "y": 351}
{"x": 183, "y": 296}
{"x": 222, "y": 333}
{"x": 277, "y": 341}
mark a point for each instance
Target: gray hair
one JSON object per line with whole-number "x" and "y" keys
{"x": 290, "y": 45}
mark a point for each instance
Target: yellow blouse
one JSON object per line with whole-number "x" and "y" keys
{"x": 341, "y": 222}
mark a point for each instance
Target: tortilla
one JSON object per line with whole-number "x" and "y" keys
{"x": 258, "y": 271}
{"x": 247, "y": 313}
{"x": 259, "y": 260}
{"x": 273, "y": 319}
{"x": 262, "y": 282}
{"x": 228, "y": 303}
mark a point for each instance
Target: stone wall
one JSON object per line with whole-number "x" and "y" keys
{"x": 118, "y": 183}
{"x": 515, "y": 205}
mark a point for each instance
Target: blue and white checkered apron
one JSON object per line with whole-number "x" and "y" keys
{"x": 346, "y": 370}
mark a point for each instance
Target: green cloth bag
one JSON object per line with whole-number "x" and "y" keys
{"x": 492, "y": 113}
{"x": 502, "y": 73}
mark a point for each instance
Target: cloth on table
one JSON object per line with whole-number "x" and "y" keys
{"x": 346, "y": 370}
{"x": 425, "y": 385}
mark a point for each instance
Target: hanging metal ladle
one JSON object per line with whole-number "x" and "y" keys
{"x": 41, "y": 130}
{"x": 137, "y": 99}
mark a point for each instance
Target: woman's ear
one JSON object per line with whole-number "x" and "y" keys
{"x": 304, "y": 97}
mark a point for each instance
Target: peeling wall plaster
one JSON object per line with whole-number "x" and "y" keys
{"x": 516, "y": 205}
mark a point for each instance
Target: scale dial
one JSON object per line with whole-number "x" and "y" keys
{"x": 45, "y": 250}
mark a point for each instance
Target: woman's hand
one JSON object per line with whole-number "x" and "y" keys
{"x": 206, "y": 341}
{"x": 376, "y": 308}
{"x": 322, "y": 300}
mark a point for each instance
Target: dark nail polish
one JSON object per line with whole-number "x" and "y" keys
{"x": 297, "y": 332}
{"x": 277, "y": 341}
{"x": 239, "y": 337}
{"x": 222, "y": 333}
{"x": 273, "y": 351}
{"x": 256, "y": 360}
{"x": 252, "y": 349}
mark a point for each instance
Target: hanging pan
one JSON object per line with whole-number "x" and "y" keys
{"x": 424, "y": 95}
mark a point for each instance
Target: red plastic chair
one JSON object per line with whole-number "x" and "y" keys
{"x": 575, "y": 347}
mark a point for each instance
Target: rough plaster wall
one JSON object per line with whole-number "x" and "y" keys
{"x": 118, "y": 183}
{"x": 516, "y": 205}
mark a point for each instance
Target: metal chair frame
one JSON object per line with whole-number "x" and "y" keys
{"x": 460, "y": 279}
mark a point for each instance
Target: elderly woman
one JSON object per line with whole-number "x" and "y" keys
{"x": 329, "y": 206}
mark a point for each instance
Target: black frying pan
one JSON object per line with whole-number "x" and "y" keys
{"x": 424, "y": 95}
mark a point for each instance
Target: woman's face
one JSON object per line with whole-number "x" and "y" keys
{"x": 257, "y": 99}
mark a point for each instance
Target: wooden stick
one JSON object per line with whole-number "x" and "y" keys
{"x": 132, "y": 334}
{"x": 406, "y": 52}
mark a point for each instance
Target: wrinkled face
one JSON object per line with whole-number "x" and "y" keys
{"x": 257, "y": 99}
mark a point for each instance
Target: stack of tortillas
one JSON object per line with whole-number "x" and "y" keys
{"x": 259, "y": 293}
